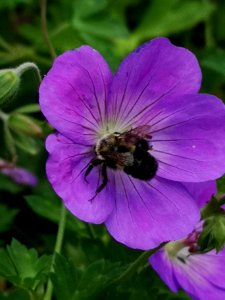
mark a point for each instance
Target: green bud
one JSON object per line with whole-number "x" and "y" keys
{"x": 26, "y": 125}
{"x": 213, "y": 234}
{"x": 10, "y": 80}
{"x": 9, "y": 84}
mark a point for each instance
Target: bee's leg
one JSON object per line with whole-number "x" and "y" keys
{"x": 93, "y": 163}
{"x": 105, "y": 179}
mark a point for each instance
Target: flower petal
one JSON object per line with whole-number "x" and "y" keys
{"x": 192, "y": 280}
{"x": 149, "y": 213}
{"x": 152, "y": 71}
{"x": 202, "y": 192}
{"x": 202, "y": 276}
{"x": 163, "y": 266}
{"x": 65, "y": 167}
{"x": 73, "y": 93}
{"x": 211, "y": 266}
{"x": 188, "y": 138}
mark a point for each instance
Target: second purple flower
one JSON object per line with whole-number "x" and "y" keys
{"x": 125, "y": 143}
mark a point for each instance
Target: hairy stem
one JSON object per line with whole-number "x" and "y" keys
{"x": 58, "y": 246}
{"x": 26, "y": 66}
{"x": 128, "y": 273}
{"x": 43, "y": 4}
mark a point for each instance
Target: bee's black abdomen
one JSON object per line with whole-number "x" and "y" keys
{"x": 142, "y": 145}
{"x": 144, "y": 169}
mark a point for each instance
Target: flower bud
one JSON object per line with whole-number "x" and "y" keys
{"x": 24, "y": 124}
{"x": 9, "y": 84}
{"x": 10, "y": 80}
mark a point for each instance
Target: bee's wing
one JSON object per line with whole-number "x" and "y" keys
{"x": 122, "y": 159}
{"x": 141, "y": 131}
{"x": 135, "y": 134}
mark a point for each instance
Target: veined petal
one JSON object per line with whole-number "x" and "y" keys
{"x": 149, "y": 213}
{"x": 73, "y": 94}
{"x": 200, "y": 275}
{"x": 201, "y": 192}
{"x": 188, "y": 138}
{"x": 152, "y": 71}
{"x": 164, "y": 267}
{"x": 65, "y": 167}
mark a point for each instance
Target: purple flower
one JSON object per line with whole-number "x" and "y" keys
{"x": 125, "y": 142}
{"x": 181, "y": 266}
{"x": 19, "y": 175}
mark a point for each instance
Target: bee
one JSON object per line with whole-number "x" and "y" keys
{"x": 127, "y": 151}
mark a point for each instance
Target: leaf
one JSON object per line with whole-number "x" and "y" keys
{"x": 48, "y": 205}
{"x": 18, "y": 294}
{"x": 96, "y": 278}
{"x": 23, "y": 124}
{"x": 213, "y": 234}
{"x": 165, "y": 17}
{"x": 28, "y": 109}
{"x": 6, "y": 217}
{"x": 12, "y": 4}
{"x": 71, "y": 283}
{"x": 214, "y": 60}
{"x": 26, "y": 143}
{"x": 95, "y": 17}
{"x": 7, "y": 184}
{"x": 64, "y": 278}
{"x": 221, "y": 184}
{"x": 22, "y": 266}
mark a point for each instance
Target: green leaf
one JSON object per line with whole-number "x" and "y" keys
{"x": 48, "y": 205}
{"x": 6, "y": 217}
{"x": 71, "y": 283}
{"x": 18, "y": 294}
{"x": 64, "y": 278}
{"x": 165, "y": 17}
{"x": 214, "y": 60}
{"x": 221, "y": 184}
{"x": 26, "y": 143}
{"x": 95, "y": 17}
{"x": 28, "y": 109}
{"x": 7, "y": 184}
{"x": 11, "y": 4}
{"x": 96, "y": 278}
{"x": 213, "y": 234}
{"x": 22, "y": 266}
{"x": 26, "y": 125}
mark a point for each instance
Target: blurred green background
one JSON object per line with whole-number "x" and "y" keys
{"x": 90, "y": 258}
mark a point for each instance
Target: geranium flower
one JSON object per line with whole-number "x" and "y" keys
{"x": 124, "y": 141}
{"x": 17, "y": 174}
{"x": 181, "y": 266}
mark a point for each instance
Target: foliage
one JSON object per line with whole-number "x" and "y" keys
{"x": 91, "y": 262}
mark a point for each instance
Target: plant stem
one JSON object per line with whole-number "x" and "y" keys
{"x": 26, "y": 66}
{"x": 58, "y": 246}
{"x": 136, "y": 264}
{"x": 45, "y": 30}
{"x": 209, "y": 37}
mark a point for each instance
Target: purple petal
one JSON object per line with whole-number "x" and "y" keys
{"x": 201, "y": 276}
{"x": 189, "y": 141}
{"x": 19, "y": 175}
{"x": 149, "y": 213}
{"x": 66, "y": 166}
{"x": 73, "y": 93}
{"x": 201, "y": 192}
{"x": 152, "y": 71}
{"x": 164, "y": 267}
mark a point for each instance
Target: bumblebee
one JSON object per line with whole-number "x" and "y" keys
{"x": 126, "y": 151}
